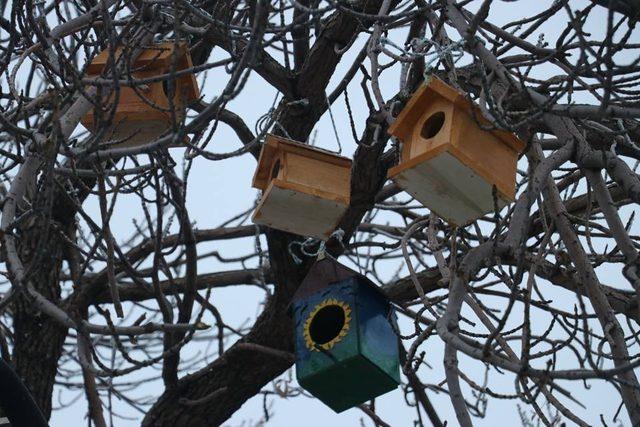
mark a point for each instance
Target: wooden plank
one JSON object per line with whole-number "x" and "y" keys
{"x": 315, "y": 173}
{"x": 306, "y": 150}
{"x": 158, "y": 57}
{"x": 262, "y": 175}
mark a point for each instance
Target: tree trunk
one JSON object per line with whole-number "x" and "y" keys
{"x": 38, "y": 340}
{"x": 211, "y": 395}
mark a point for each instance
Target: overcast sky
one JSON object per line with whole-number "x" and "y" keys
{"x": 219, "y": 190}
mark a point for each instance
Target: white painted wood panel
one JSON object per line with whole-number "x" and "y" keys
{"x": 449, "y": 188}
{"x": 299, "y": 213}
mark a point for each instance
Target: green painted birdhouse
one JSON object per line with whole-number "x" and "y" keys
{"x": 346, "y": 347}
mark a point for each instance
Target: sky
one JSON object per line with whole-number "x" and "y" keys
{"x": 219, "y": 190}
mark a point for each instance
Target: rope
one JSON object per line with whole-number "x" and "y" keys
{"x": 270, "y": 118}
{"x": 421, "y": 49}
{"x": 311, "y": 241}
{"x": 258, "y": 248}
{"x": 454, "y": 50}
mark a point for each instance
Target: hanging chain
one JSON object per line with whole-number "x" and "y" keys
{"x": 333, "y": 123}
{"x": 352, "y": 123}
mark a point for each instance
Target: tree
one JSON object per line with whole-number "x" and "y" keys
{"x": 87, "y": 302}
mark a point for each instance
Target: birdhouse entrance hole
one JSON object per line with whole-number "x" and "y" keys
{"x": 327, "y": 324}
{"x": 432, "y": 125}
{"x": 165, "y": 88}
{"x": 276, "y": 169}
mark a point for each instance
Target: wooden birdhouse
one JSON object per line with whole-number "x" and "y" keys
{"x": 305, "y": 190}
{"x": 447, "y": 161}
{"x": 345, "y": 344}
{"x": 143, "y": 111}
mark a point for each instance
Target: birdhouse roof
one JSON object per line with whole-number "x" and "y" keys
{"x": 155, "y": 57}
{"x": 326, "y": 272}
{"x": 274, "y": 145}
{"x": 428, "y": 93}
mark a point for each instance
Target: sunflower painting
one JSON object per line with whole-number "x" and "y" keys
{"x": 327, "y": 324}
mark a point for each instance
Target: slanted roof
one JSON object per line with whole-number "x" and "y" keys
{"x": 157, "y": 56}
{"x": 427, "y": 93}
{"x": 324, "y": 273}
{"x": 276, "y": 144}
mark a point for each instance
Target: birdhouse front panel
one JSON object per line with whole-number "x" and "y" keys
{"x": 435, "y": 130}
{"x": 346, "y": 350}
{"x": 448, "y": 162}
{"x": 305, "y": 189}
{"x": 141, "y": 113}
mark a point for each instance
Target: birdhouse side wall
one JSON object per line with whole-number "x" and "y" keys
{"x": 133, "y": 122}
{"x": 347, "y": 384}
{"x": 326, "y": 177}
{"x": 417, "y": 144}
{"x": 378, "y": 341}
{"x": 144, "y": 103}
{"x": 485, "y": 153}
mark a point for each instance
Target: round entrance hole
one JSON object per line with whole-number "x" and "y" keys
{"x": 327, "y": 324}
{"x": 432, "y": 125}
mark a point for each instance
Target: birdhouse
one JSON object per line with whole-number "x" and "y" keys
{"x": 346, "y": 348}
{"x": 305, "y": 190}
{"x": 448, "y": 162}
{"x": 144, "y": 111}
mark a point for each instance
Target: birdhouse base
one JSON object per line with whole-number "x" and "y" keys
{"x": 440, "y": 180}
{"x": 349, "y": 383}
{"x": 299, "y": 210}
{"x": 135, "y": 134}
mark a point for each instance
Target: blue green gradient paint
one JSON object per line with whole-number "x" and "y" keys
{"x": 361, "y": 366}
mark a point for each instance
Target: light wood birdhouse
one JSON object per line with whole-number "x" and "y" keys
{"x": 305, "y": 190}
{"x": 143, "y": 111}
{"x": 448, "y": 162}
